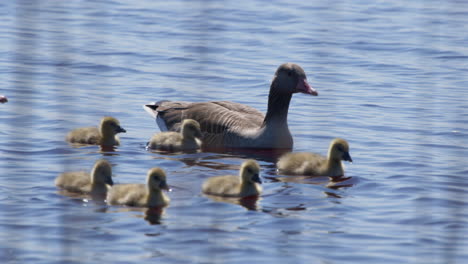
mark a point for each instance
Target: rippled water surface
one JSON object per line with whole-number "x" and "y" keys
{"x": 391, "y": 77}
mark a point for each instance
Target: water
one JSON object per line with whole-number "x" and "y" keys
{"x": 391, "y": 79}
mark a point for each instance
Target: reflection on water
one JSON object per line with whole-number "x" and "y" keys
{"x": 329, "y": 182}
{"x": 96, "y": 198}
{"x": 249, "y": 202}
{"x": 152, "y": 215}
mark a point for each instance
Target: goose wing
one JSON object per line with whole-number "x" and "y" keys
{"x": 214, "y": 117}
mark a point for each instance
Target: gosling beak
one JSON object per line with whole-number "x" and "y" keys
{"x": 304, "y": 87}
{"x": 347, "y": 157}
{"x": 256, "y": 178}
{"x": 109, "y": 181}
{"x": 163, "y": 186}
{"x": 120, "y": 129}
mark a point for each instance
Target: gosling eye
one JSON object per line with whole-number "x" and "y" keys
{"x": 340, "y": 148}
{"x": 249, "y": 170}
{"x": 290, "y": 73}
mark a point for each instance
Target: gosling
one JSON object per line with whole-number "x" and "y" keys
{"x": 105, "y": 135}
{"x": 141, "y": 195}
{"x": 246, "y": 184}
{"x": 186, "y": 140}
{"x": 311, "y": 164}
{"x": 95, "y": 183}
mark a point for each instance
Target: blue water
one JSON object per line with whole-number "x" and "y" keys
{"x": 391, "y": 78}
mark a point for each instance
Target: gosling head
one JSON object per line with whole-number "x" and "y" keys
{"x": 111, "y": 126}
{"x": 102, "y": 172}
{"x": 291, "y": 78}
{"x": 156, "y": 179}
{"x": 191, "y": 129}
{"x": 250, "y": 171}
{"x": 339, "y": 150}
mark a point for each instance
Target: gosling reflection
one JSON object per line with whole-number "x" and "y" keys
{"x": 153, "y": 215}
{"x": 248, "y": 202}
{"x": 334, "y": 183}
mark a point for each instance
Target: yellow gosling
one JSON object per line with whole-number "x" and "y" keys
{"x": 141, "y": 195}
{"x": 187, "y": 139}
{"x": 246, "y": 184}
{"x": 105, "y": 135}
{"x": 305, "y": 163}
{"x": 95, "y": 183}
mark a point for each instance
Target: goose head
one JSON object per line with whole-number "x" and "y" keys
{"x": 290, "y": 78}
{"x": 191, "y": 129}
{"x": 110, "y": 127}
{"x": 156, "y": 179}
{"x": 339, "y": 150}
{"x": 250, "y": 171}
{"x": 102, "y": 172}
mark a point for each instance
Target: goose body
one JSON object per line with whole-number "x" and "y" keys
{"x": 141, "y": 195}
{"x": 105, "y": 135}
{"x": 247, "y": 183}
{"x": 312, "y": 164}
{"x": 186, "y": 139}
{"x": 234, "y": 125}
{"x": 95, "y": 183}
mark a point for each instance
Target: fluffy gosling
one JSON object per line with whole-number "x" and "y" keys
{"x": 187, "y": 139}
{"x": 141, "y": 195}
{"x": 305, "y": 163}
{"x": 246, "y": 184}
{"x": 105, "y": 135}
{"x": 95, "y": 183}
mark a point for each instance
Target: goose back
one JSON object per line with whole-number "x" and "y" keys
{"x": 222, "y": 123}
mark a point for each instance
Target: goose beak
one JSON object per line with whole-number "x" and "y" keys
{"x": 256, "y": 178}
{"x": 304, "y": 87}
{"x": 347, "y": 157}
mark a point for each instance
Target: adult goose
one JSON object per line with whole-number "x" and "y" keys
{"x": 233, "y": 125}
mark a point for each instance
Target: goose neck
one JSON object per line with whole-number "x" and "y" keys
{"x": 278, "y": 106}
